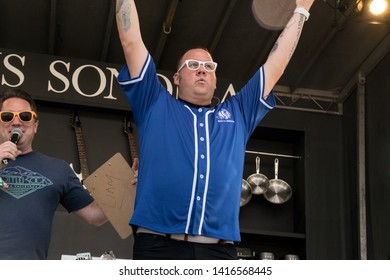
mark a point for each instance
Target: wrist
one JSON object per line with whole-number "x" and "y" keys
{"x": 302, "y": 11}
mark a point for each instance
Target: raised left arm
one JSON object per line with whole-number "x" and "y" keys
{"x": 284, "y": 47}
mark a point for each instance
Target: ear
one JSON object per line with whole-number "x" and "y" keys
{"x": 36, "y": 126}
{"x": 176, "y": 79}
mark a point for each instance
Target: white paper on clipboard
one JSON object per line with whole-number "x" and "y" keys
{"x": 110, "y": 185}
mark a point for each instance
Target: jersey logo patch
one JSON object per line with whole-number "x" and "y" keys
{"x": 224, "y": 116}
{"x": 22, "y": 181}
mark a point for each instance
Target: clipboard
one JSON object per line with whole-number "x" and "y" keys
{"x": 110, "y": 185}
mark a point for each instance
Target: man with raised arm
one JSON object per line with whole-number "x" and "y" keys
{"x": 192, "y": 152}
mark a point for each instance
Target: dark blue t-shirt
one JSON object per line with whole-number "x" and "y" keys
{"x": 37, "y": 184}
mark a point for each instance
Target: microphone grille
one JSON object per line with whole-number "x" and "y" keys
{"x": 17, "y": 131}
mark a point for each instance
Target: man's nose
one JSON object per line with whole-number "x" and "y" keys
{"x": 201, "y": 70}
{"x": 16, "y": 120}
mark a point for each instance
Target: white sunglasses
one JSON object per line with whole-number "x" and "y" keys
{"x": 192, "y": 64}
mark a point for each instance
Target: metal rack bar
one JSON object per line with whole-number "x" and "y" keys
{"x": 272, "y": 154}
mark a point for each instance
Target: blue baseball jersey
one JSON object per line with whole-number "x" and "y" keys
{"x": 191, "y": 158}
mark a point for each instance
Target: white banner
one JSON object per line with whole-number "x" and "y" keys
{"x": 199, "y": 270}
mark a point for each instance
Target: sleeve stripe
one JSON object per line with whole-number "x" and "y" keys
{"x": 141, "y": 76}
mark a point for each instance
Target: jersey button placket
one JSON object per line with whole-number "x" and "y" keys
{"x": 202, "y": 165}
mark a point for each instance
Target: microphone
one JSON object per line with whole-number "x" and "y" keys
{"x": 16, "y": 133}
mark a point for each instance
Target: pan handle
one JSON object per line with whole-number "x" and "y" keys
{"x": 276, "y": 168}
{"x": 258, "y": 165}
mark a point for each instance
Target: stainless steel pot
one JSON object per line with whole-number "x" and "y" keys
{"x": 246, "y": 193}
{"x": 258, "y": 182}
{"x": 278, "y": 191}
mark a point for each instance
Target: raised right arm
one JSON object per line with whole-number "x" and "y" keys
{"x": 130, "y": 36}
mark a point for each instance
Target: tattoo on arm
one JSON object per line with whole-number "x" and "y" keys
{"x": 299, "y": 31}
{"x": 123, "y": 9}
{"x": 275, "y": 47}
{"x": 298, "y": 34}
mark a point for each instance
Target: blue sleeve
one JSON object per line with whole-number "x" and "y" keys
{"x": 252, "y": 103}
{"x": 75, "y": 196}
{"x": 142, "y": 91}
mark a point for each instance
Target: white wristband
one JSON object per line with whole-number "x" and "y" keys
{"x": 302, "y": 11}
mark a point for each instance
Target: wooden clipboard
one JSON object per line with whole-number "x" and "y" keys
{"x": 110, "y": 185}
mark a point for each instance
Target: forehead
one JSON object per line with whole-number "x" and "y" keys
{"x": 15, "y": 104}
{"x": 197, "y": 54}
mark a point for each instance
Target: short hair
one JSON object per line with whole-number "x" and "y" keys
{"x": 18, "y": 93}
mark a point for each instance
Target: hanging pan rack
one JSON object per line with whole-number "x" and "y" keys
{"x": 272, "y": 154}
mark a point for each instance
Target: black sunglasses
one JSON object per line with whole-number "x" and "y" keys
{"x": 25, "y": 116}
